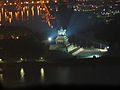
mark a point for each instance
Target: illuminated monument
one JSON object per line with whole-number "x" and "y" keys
{"x": 62, "y": 38}
{"x": 60, "y": 42}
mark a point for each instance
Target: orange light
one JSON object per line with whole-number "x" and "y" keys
{"x": 10, "y": 20}
{"x": 43, "y": 1}
{"x": 38, "y": 1}
{"x": 4, "y": 3}
{"x": 56, "y": 1}
{"x": 0, "y": 17}
{"x": 16, "y": 15}
{"x": 11, "y": 15}
{"x": 21, "y": 2}
{"x": 10, "y": 3}
{"x": 2, "y": 10}
{"x": 96, "y": 7}
{"x": 43, "y": 9}
{"x": 5, "y": 16}
{"x": 32, "y": 9}
{"x": 27, "y": 13}
{"x": 47, "y": 1}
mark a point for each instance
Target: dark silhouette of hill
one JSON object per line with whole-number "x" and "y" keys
{"x": 28, "y": 46}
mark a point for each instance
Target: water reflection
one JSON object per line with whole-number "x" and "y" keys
{"x": 1, "y": 77}
{"x": 22, "y": 73}
{"x": 15, "y": 75}
{"x": 1, "y": 69}
{"x": 64, "y": 74}
{"x": 42, "y": 75}
{"x": 1, "y": 74}
{"x": 23, "y": 11}
{"x": 37, "y": 74}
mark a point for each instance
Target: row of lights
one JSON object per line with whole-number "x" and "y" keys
{"x": 28, "y": 2}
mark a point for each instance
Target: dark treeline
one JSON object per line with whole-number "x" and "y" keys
{"x": 29, "y": 46}
{"x": 106, "y": 32}
{"x": 109, "y": 33}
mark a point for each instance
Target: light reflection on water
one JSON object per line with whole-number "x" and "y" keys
{"x": 64, "y": 74}
{"x": 22, "y": 73}
{"x": 23, "y": 14}
{"x": 1, "y": 77}
{"x": 42, "y": 75}
{"x": 11, "y": 14}
{"x": 15, "y": 75}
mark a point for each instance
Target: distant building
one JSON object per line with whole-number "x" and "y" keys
{"x": 60, "y": 42}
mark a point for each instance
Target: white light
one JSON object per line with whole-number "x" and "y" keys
{"x": 61, "y": 31}
{"x": 42, "y": 74}
{"x": 107, "y": 47}
{"x": 49, "y": 39}
{"x": 103, "y": 50}
{"x": 91, "y": 56}
{"x": 78, "y": 51}
{"x": 75, "y": 9}
{"x": 0, "y": 60}
{"x": 22, "y": 73}
{"x": 21, "y": 59}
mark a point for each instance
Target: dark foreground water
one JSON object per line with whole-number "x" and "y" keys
{"x": 30, "y": 74}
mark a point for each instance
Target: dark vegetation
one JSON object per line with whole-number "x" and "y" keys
{"x": 106, "y": 32}
{"x": 27, "y": 47}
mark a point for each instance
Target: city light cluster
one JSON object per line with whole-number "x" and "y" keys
{"x": 22, "y": 10}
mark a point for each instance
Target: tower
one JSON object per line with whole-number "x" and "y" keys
{"x": 62, "y": 38}
{"x": 61, "y": 41}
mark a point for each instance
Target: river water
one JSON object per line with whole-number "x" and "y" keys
{"x": 30, "y": 74}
